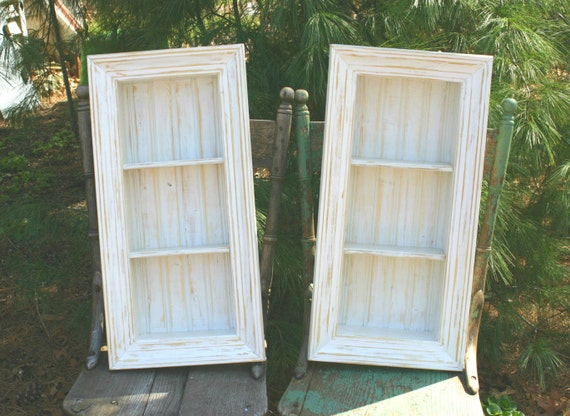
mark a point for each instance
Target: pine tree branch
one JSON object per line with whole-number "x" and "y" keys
{"x": 237, "y": 18}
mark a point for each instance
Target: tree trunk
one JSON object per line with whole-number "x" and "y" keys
{"x": 59, "y": 48}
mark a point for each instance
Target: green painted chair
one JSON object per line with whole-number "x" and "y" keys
{"x": 343, "y": 389}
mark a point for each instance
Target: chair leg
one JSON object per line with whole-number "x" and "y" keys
{"x": 278, "y": 169}
{"x": 97, "y": 318}
{"x": 497, "y": 174}
{"x": 97, "y": 322}
{"x": 471, "y": 375}
{"x": 258, "y": 370}
{"x": 302, "y": 133}
{"x": 303, "y": 361}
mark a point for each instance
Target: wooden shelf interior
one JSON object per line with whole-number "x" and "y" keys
{"x": 391, "y": 295}
{"x": 173, "y": 155}
{"x": 170, "y": 119}
{"x": 184, "y": 295}
{"x": 399, "y": 207}
{"x": 396, "y": 207}
{"x": 406, "y": 119}
{"x": 174, "y": 182}
{"x": 177, "y": 207}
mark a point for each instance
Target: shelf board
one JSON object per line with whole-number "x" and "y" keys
{"x": 403, "y": 164}
{"x": 173, "y": 163}
{"x": 386, "y": 334}
{"x": 181, "y": 337}
{"x": 178, "y": 251}
{"x": 395, "y": 251}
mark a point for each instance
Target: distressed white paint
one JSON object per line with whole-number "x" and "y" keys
{"x": 176, "y": 207}
{"x": 400, "y": 187}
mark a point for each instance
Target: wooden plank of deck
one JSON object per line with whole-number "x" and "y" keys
{"x": 100, "y": 392}
{"x": 228, "y": 390}
{"x": 167, "y": 392}
{"x": 361, "y": 390}
{"x": 209, "y": 390}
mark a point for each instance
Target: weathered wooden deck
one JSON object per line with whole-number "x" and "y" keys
{"x": 208, "y": 390}
{"x": 342, "y": 389}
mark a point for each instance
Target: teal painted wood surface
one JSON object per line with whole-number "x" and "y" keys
{"x": 337, "y": 389}
{"x": 302, "y": 134}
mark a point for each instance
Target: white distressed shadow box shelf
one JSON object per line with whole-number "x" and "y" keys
{"x": 401, "y": 179}
{"x": 176, "y": 208}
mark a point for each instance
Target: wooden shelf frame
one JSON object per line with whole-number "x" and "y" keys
{"x": 176, "y": 211}
{"x": 401, "y": 178}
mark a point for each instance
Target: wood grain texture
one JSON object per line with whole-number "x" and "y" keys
{"x": 496, "y": 179}
{"x": 176, "y": 207}
{"x": 167, "y": 392}
{"x": 224, "y": 390}
{"x": 335, "y": 389}
{"x": 400, "y": 184}
{"x": 305, "y": 170}
{"x": 213, "y": 390}
{"x": 278, "y": 170}
{"x": 99, "y": 392}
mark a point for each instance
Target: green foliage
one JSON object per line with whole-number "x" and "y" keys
{"x": 542, "y": 359}
{"x": 43, "y": 222}
{"x": 32, "y": 57}
{"x": 284, "y": 341}
{"x": 503, "y": 406}
{"x": 45, "y": 244}
{"x": 286, "y": 300}
{"x": 26, "y": 166}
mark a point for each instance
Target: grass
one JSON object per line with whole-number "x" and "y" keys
{"x": 45, "y": 263}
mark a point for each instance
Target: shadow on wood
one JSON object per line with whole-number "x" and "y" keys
{"x": 209, "y": 390}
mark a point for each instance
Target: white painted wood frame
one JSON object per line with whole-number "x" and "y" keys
{"x": 400, "y": 187}
{"x": 176, "y": 207}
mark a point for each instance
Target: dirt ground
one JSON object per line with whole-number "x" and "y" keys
{"x": 42, "y": 353}
{"x": 39, "y": 358}
{"x": 529, "y": 397}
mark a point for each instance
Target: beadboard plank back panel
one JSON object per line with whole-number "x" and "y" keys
{"x": 173, "y": 165}
{"x": 401, "y": 175}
